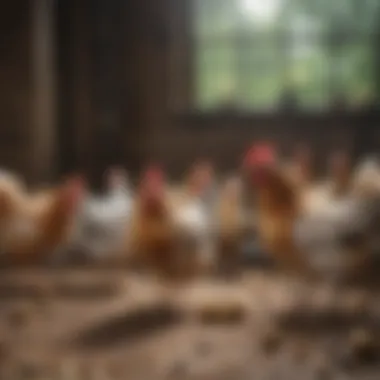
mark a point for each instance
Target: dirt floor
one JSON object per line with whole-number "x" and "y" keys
{"x": 111, "y": 325}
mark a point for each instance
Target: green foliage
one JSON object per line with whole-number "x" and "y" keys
{"x": 251, "y": 51}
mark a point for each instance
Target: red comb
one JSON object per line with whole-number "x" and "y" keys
{"x": 154, "y": 173}
{"x": 260, "y": 154}
{"x": 153, "y": 181}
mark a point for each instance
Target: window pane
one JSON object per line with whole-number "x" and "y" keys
{"x": 343, "y": 15}
{"x": 214, "y": 18}
{"x": 250, "y": 51}
{"x": 368, "y": 14}
{"x": 358, "y": 16}
{"x": 261, "y": 74}
{"x": 216, "y": 75}
{"x": 305, "y": 16}
{"x": 309, "y": 75}
{"x": 354, "y": 72}
{"x": 261, "y": 16}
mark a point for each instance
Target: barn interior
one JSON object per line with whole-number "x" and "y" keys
{"x": 139, "y": 136}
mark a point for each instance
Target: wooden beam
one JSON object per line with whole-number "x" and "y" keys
{"x": 43, "y": 144}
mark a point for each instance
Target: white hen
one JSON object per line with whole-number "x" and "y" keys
{"x": 366, "y": 177}
{"x": 102, "y": 222}
{"x": 193, "y": 217}
{"x": 194, "y": 231}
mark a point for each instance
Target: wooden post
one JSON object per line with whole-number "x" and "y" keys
{"x": 42, "y": 146}
{"x": 107, "y": 84}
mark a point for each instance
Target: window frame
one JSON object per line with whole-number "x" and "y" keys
{"x": 181, "y": 78}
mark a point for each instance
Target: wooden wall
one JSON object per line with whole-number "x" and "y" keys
{"x": 100, "y": 101}
{"x": 120, "y": 103}
{"x": 27, "y": 105}
{"x": 16, "y": 85}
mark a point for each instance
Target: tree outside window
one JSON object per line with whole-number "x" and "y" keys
{"x": 263, "y": 54}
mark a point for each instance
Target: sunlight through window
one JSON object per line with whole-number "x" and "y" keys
{"x": 253, "y": 53}
{"x": 263, "y": 11}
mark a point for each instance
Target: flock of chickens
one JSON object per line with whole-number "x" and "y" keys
{"x": 203, "y": 225}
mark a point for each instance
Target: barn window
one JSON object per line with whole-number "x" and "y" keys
{"x": 264, "y": 54}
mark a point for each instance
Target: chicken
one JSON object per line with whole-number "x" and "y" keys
{"x": 340, "y": 173}
{"x": 337, "y": 186}
{"x": 11, "y": 192}
{"x": 249, "y": 198}
{"x": 231, "y": 224}
{"x": 204, "y": 180}
{"x": 194, "y": 219}
{"x": 151, "y": 235}
{"x": 299, "y": 169}
{"x": 252, "y": 250}
{"x": 336, "y": 238}
{"x": 278, "y": 207}
{"x": 299, "y": 172}
{"x": 11, "y": 181}
{"x": 98, "y": 236}
{"x": 38, "y": 224}
{"x": 230, "y": 213}
{"x": 366, "y": 185}
{"x": 366, "y": 177}
{"x": 199, "y": 182}
{"x": 331, "y": 239}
